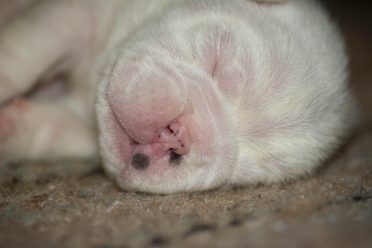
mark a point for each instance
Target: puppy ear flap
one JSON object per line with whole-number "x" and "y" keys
{"x": 270, "y": 1}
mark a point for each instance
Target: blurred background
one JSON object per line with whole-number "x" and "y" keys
{"x": 355, "y": 21}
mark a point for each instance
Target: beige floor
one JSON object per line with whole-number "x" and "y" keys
{"x": 73, "y": 204}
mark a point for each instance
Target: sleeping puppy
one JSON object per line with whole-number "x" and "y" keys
{"x": 188, "y": 94}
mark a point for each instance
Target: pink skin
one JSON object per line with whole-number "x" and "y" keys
{"x": 158, "y": 138}
{"x": 174, "y": 138}
{"x": 189, "y": 127}
{"x": 151, "y": 129}
{"x": 151, "y": 100}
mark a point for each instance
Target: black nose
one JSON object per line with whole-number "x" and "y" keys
{"x": 140, "y": 161}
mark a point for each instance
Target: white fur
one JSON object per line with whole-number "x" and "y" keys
{"x": 293, "y": 45}
{"x": 280, "y": 85}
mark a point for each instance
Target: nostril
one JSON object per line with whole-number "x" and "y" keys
{"x": 169, "y": 128}
{"x": 172, "y": 131}
{"x": 174, "y": 137}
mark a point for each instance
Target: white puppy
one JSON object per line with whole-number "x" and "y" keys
{"x": 189, "y": 94}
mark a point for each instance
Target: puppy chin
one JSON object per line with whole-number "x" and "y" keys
{"x": 197, "y": 173}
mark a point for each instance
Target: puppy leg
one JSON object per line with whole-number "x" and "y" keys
{"x": 46, "y": 33}
{"x": 31, "y": 131}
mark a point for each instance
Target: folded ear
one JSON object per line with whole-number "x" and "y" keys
{"x": 270, "y": 1}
